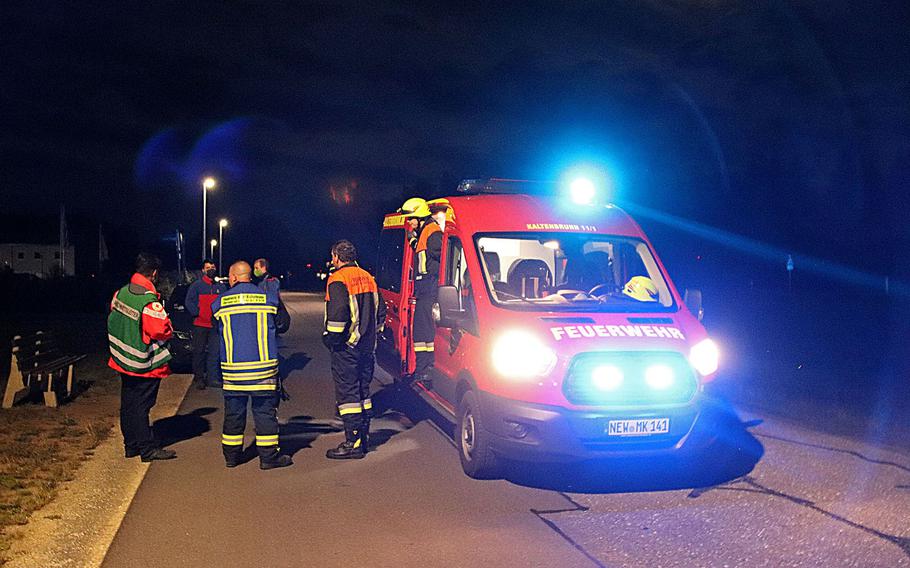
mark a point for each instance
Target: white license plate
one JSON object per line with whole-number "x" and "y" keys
{"x": 643, "y": 427}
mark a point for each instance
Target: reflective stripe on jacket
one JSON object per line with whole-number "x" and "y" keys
{"x": 249, "y": 348}
{"x": 353, "y": 311}
{"x": 137, "y": 331}
{"x": 428, "y": 251}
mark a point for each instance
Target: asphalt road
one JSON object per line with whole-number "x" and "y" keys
{"x": 774, "y": 493}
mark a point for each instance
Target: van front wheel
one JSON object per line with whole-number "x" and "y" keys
{"x": 477, "y": 458}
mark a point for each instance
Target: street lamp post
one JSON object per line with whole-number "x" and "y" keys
{"x": 221, "y": 225}
{"x": 207, "y": 184}
{"x": 213, "y": 242}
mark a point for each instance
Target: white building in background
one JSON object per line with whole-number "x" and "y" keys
{"x": 42, "y": 261}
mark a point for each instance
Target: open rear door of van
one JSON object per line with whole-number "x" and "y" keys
{"x": 396, "y": 290}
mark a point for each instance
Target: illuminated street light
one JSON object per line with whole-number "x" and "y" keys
{"x": 221, "y": 225}
{"x": 207, "y": 184}
{"x": 213, "y": 242}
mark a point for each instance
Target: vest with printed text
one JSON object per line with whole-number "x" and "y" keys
{"x": 249, "y": 346}
{"x": 124, "y": 334}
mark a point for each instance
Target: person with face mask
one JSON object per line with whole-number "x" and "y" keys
{"x": 138, "y": 330}
{"x": 206, "y": 343}
{"x": 264, "y": 280}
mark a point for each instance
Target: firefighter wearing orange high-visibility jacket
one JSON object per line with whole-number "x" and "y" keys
{"x": 426, "y": 240}
{"x": 354, "y": 317}
{"x": 249, "y": 367}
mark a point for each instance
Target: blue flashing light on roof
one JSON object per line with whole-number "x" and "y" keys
{"x": 582, "y": 191}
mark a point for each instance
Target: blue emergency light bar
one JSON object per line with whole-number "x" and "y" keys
{"x": 580, "y": 190}
{"x": 502, "y": 185}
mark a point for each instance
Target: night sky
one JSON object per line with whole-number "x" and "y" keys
{"x": 785, "y": 122}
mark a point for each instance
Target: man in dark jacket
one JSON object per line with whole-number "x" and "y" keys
{"x": 206, "y": 343}
{"x": 263, "y": 279}
{"x": 354, "y": 317}
{"x": 249, "y": 364}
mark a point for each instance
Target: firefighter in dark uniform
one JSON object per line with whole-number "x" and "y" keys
{"x": 249, "y": 367}
{"x": 354, "y": 316}
{"x": 425, "y": 238}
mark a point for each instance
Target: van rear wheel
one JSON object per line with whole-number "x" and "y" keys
{"x": 477, "y": 457}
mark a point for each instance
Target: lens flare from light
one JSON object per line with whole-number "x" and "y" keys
{"x": 521, "y": 355}
{"x": 705, "y": 357}
{"x": 607, "y": 378}
{"x": 660, "y": 377}
{"x": 582, "y": 191}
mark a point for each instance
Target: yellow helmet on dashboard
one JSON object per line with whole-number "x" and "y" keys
{"x": 415, "y": 207}
{"x": 641, "y": 288}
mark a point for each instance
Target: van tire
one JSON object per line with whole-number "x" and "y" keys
{"x": 473, "y": 441}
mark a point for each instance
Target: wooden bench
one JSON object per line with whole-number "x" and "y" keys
{"x": 38, "y": 364}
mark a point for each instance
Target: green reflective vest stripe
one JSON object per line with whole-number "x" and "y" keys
{"x": 124, "y": 334}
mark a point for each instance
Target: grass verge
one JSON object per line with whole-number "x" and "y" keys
{"x": 42, "y": 447}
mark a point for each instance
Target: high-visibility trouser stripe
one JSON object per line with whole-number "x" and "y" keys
{"x": 232, "y": 440}
{"x": 244, "y": 388}
{"x": 367, "y": 404}
{"x": 350, "y": 408}
{"x": 420, "y": 346}
{"x": 249, "y": 376}
{"x": 267, "y": 440}
{"x": 246, "y": 365}
{"x": 228, "y": 338}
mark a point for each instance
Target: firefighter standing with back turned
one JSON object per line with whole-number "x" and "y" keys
{"x": 354, "y": 316}
{"x": 425, "y": 238}
{"x": 249, "y": 367}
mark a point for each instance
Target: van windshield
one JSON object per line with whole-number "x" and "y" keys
{"x": 572, "y": 272}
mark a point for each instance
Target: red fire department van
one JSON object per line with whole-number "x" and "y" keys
{"x": 560, "y": 334}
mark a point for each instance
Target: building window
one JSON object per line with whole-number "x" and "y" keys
{"x": 20, "y": 256}
{"x": 57, "y": 255}
{"x": 37, "y": 256}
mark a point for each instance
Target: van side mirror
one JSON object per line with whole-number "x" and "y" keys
{"x": 450, "y": 313}
{"x": 692, "y": 299}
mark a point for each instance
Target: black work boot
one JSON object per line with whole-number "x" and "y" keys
{"x": 365, "y": 434}
{"x": 232, "y": 455}
{"x": 352, "y": 447}
{"x": 159, "y": 454}
{"x": 271, "y": 459}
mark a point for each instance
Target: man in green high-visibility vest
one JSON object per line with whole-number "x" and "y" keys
{"x": 137, "y": 331}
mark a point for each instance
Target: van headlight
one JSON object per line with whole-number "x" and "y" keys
{"x": 521, "y": 355}
{"x": 705, "y": 356}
